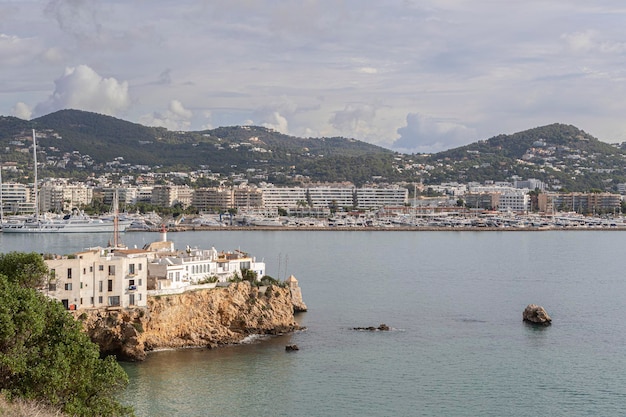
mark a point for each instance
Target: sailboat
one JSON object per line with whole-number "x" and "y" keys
{"x": 75, "y": 222}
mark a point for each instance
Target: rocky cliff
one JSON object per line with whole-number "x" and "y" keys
{"x": 203, "y": 318}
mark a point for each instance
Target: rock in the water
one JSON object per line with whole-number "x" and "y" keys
{"x": 291, "y": 348}
{"x": 536, "y": 314}
{"x": 381, "y": 327}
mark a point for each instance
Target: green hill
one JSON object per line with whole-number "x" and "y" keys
{"x": 560, "y": 155}
{"x": 77, "y": 143}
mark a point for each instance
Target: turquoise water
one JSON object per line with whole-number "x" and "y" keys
{"x": 458, "y": 346}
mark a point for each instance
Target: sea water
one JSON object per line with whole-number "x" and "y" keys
{"x": 457, "y": 345}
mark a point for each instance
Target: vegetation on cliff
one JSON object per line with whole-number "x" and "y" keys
{"x": 44, "y": 354}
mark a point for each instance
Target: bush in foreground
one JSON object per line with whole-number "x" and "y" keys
{"x": 45, "y": 356}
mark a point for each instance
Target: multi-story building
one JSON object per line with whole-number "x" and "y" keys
{"x": 331, "y": 196}
{"x": 169, "y": 268}
{"x": 283, "y": 197}
{"x": 16, "y": 198}
{"x": 373, "y": 198}
{"x": 587, "y": 202}
{"x": 98, "y": 278}
{"x": 205, "y": 199}
{"x": 125, "y": 195}
{"x": 59, "y": 196}
{"x": 483, "y": 200}
{"x": 169, "y": 195}
{"x": 247, "y": 197}
{"x": 514, "y": 201}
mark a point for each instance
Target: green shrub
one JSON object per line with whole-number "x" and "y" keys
{"x": 46, "y": 357}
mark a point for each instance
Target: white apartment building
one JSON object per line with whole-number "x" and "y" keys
{"x": 514, "y": 201}
{"x": 125, "y": 195}
{"x": 283, "y": 197}
{"x": 373, "y": 198}
{"x": 331, "y": 196}
{"x": 99, "y": 277}
{"x": 16, "y": 198}
{"x": 169, "y": 268}
{"x": 62, "y": 197}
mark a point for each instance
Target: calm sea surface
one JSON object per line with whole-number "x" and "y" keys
{"x": 454, "y": 300}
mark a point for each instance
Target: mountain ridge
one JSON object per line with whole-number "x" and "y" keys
{"x": 77, "y": 142}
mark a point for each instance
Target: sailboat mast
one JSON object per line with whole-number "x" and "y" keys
{"x": 1, "y": 199}
{"x": 116, "y": 213}
{"x": 35, "y": 184}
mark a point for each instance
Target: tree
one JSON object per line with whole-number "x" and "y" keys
{"x": 25, "y": 269}
{"x": 45, "y": 356}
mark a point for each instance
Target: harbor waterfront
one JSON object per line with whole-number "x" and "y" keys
{"x": 454, "y": 302}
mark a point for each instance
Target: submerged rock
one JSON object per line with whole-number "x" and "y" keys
{"x": 536, "y": 314}
{"x": 291, "y": 348}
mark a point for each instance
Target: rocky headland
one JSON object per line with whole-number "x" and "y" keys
{"x": 202, "y": 318}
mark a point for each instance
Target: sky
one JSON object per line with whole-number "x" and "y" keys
{"x": 409, "y": 75}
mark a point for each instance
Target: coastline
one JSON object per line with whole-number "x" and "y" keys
{"x": 185, "y": 228}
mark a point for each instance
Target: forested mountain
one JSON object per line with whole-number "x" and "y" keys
{"x": 562, "y": 156}
{"x": 77, "y": 143}
{"x": 100, "y": 139}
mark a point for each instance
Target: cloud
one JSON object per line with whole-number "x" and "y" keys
{"x": 22, "y": 110}
{"x": 590, "y": 41}
{"x": 353, "y": 118}
{"x": 82, "y": 88}
{"x": 176, "y": 117}
{"x": 276, "y": 114}
{"x": 15, "y": 50}
{"x": 76, "y": 17}
{"x": 425, "y": 134}
{"x": 277, "y": 122}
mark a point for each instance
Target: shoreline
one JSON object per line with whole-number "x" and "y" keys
{"x": 378, "y": 229}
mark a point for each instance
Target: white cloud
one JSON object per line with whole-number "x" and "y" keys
{"x": 22, "y": 110}
{"x": 425, "y": 134}
{"x": 353, "y": 118}
{"x": 277, "y": 122}
{"x": 176, "y": 117}
{"x": 15, "y": 50}
{"x": 84, "y": 89}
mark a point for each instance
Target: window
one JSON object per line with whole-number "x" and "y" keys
{"x": 84, "y": 271}
{"x": 69, "y": 273}
{"x": 68, "y": 286}
{"x": 139, "y": 267}
{"x": 177, "y": 276}
{"x": 91, "y": 300}
{"x": 100, "y": 299}
{"x": 131, "y": 269}
{"x": 81, "y": 286}
{"x": 131, "y": 282}
{"x": 110, "y": 285}
{"x": 91, "y": 270}
{"x": 100, "y": 286}
{"x": 139, "y": 282}
{"x": 52, "y": 286}
{"x": 114, "y": 300}
{"x": 53, "y": 273}
{"x": 131, "y": 299}
{"x": 100, "y": 267}
{"x": 111, "y": 269}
